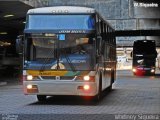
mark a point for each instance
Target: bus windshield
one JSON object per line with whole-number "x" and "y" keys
{"x": 60, "y": 51}
{"x": 145, "y": 62}
{"x": 78, "y": 22}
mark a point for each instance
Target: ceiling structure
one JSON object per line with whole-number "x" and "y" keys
{"x": 12, "y": 18}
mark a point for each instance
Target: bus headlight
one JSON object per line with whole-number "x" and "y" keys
{"x": 152, "y": 70}
{"x": 134, "y": 70}
{"x": 86, "y": 78}
{"x": 29, "y": 77}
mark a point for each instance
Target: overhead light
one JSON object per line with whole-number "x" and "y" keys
{"x": 24, "y": 22}
{"x": 4, "y": 43}
{"x": 3, "y": 33}
{"x": 9, "y": 15}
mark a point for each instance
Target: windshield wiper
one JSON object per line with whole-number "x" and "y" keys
{"x": 57, "y": 53}
{"x": 69, "y": 62}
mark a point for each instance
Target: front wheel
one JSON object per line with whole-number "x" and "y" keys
{"x": 99, "y": 95}
{"x": 41, "y": 98}
{"x": 112, "y": 80}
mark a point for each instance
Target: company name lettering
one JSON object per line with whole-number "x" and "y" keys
{"x": 72, "y": 31}
{"x": 145, "y": 5}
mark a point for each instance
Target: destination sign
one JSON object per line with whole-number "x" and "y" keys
{"x": 72, "y": 31}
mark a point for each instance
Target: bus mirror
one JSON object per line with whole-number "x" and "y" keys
{"x": 19, "y": 44}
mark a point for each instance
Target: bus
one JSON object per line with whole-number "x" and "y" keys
{"x": 68, "y": 50}
{"x": 144, "y": 57}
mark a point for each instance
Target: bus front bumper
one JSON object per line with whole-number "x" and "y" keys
{"x": 52, "y": 87}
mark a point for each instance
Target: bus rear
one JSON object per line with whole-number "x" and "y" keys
{"x": 144, "y": 57}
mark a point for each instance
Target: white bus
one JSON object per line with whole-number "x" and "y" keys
{"x": 68, "y": 51}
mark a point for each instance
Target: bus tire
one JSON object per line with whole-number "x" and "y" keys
{"x": 41, "y": 98}
{"x": 112, "y": 80}
{"x": 99, "y": 95}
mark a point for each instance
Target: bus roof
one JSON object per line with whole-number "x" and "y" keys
{"x": 144, "y": 41}
{"x": 61, "y": 10}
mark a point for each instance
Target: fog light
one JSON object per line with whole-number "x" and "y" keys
{"x": 29, "y": 87}
{"x": 32, "y": 89}
{"x": 86, "y": 87}
{"x": 86, "y": 78}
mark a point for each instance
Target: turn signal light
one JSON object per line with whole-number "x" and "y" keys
{"x": 29, "y": 87}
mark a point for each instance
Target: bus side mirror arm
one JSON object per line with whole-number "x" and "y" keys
{"x": 19, "y": 44}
